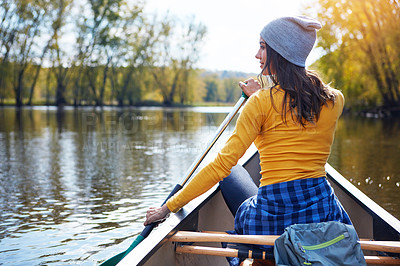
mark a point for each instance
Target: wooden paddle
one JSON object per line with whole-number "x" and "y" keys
{"x": 186, "y": 236}
{"x": 147, "y": 230}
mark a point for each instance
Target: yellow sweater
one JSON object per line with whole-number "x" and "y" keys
{"x": 287, "y": 151}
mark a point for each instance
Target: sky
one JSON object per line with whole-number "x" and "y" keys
{"x": 233, "y": 27}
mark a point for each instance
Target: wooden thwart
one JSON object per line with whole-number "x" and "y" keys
{"x": 230, "y": 252}
{"x": 385, "y": 246}
{"x": 186, "y": 236}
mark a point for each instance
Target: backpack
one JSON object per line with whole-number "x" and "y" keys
{"x": 326, "y": 243}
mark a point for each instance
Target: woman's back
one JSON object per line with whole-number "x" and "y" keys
{"x": 289, "y": 151}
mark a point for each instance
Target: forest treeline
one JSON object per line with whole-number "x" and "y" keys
{"x": 101, "y": 52}
{"x": 95, "y": 52}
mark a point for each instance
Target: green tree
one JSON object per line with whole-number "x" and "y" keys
{"x": 23, "y": 27}
{"x": 190, "y": 45}
{"x": 212, "y": 90}
{"x": 102, "y": 25}
{"x": 232, "y": 90}
{"x": 8, "y": 32}
{"x": 135, "y": 52}
{"x": 55, "y": 19}
{"x": 22, "y": 30}
{"x": 177, "y": 53}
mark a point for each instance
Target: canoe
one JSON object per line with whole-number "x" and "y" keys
{"x": 210, "y": 213}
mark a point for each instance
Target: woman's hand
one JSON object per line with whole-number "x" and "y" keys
{"x": 250, "y": 86}
{"x": 156, "y": 214}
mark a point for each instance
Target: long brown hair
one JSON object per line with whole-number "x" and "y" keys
{"x": 305, "y": 92}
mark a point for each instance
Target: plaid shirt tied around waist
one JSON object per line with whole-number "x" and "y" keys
{"x": 277, "y": 206}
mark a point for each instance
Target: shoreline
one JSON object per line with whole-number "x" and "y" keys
{"x": 372, "y": 112}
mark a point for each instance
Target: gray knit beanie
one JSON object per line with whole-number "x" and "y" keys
{"x": 292, "y": 37}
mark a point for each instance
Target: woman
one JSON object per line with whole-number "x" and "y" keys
{"x": 292, "y": 125}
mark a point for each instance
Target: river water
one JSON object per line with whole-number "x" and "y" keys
{"x": 75, "y": 183}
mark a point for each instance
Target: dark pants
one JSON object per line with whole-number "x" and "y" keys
{"x": 237, "y": 187}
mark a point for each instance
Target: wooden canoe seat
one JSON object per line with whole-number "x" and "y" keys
{"x": 186, "y": 236}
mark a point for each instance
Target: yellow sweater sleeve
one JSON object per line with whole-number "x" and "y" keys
{"x": 247, "y": 128}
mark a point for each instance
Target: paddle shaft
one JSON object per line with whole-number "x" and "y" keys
{"x": 148, "y": 228}
{"x": 201, "y": 157}
{"x": 219, "y": 132}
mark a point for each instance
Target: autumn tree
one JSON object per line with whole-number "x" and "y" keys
{"x": 7, "y": 39}
{"x": 20, "y": 28}
{"x": 128, "y": 67}
{"x": 104, "y": 25}
{"x": 211, "y": 86}
{"x": 55, "y": 20}
{"x": 361, "y": 44}
{"x": 231, "y": 89}
{"x": 178, "y": 51}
